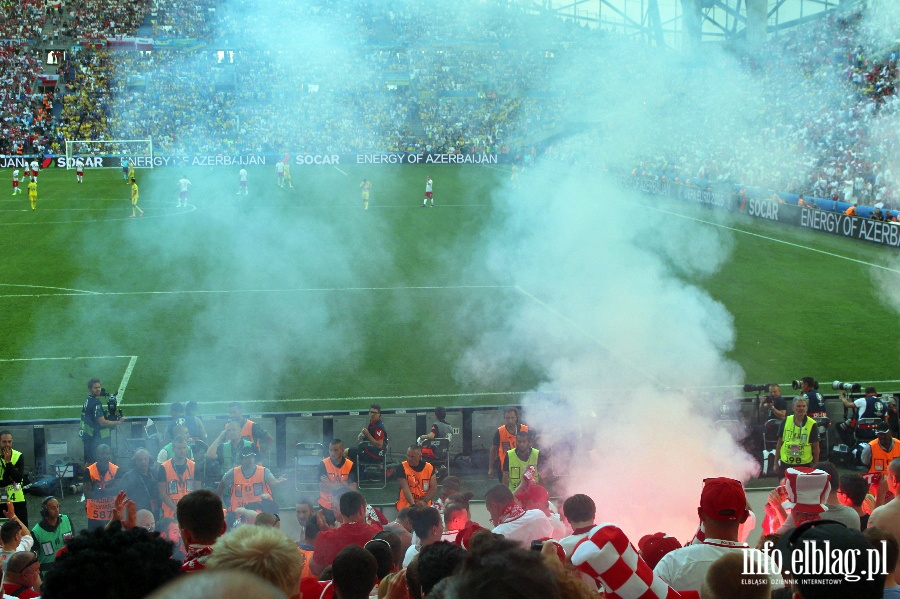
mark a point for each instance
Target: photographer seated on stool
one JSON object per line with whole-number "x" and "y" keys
{"x": 798, "y": 443}
{"x": 439, "y": 430}
{"x": 869, "y": 406}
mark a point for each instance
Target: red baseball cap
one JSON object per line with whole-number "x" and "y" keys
{"x": 723, "y": 499}
{"x": 533, "y": 492}
{"x": 654, "y": 547}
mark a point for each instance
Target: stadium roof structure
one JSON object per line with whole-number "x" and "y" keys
{"x": 677, "y": 23}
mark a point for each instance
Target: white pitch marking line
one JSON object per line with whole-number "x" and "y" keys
{"x": 288, "y": 290}
{"x": 63, "y": 358}
{"x": 354, "y": 399}
{"x": 796, "y": 245}
{"x": 103, "y": 220}
{"x": 339, "y": 170}
{"x": 80, "y": 291}
{"x": 125, "y": 378}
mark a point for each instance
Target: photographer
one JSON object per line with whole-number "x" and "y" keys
{"x": 95, "y": 427}
{"x": 868, "y": 406}
{"x": 773, "y": 405}
{"x": 809, "y": 390}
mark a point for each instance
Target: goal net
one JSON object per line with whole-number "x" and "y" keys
{"x": 111, "y": 153}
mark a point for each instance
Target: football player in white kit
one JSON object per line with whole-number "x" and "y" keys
{"x": 34, "y": 170}
{"x": 79, "y": 170}
{"x": 15, "y": 182}
{"x": 243, "y": 177}
{"x": 428, "y": 194}
{"x": 183, "y": 187}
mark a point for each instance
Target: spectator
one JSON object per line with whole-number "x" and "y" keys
{"x": 222, "y": 584}
{"x": 501, "y": 569}
{"x": 168, "y": 529}
{"x": 580, "y": 511}
{"x": 887, "y": 516}
{"x": 127, "y": 564}
{"x": 834, "y": 509}
{"x": 260, "y": 550}
{"x": 354, "y": 573}
{"x": 436, "y": 562}
{"x": 305, "y": 513}
{"x": 654, "y": 547}
{"x": 22, "y": 576}
{"x": 512, "y": 521}
{"x": 353, "y": 531}
{"x": 878, "y": 536}
{"x": 193, "y": 421}
{"x": 427, "y": 524}
{"x": 851, "y": 493}
{"x": 532, "y": 496}
{"x": 384, "y": 556}
{"x": 456, "y": 517}
{"x": 402, "y": 527}
{"x": 14, "y": 535}
{"x": 723, "y": 507}
{"x": 818, "y": 583}
{"x": 504, "y": 440}
{"x": 397, "y": 552}
{"x": 726, "y": 579}
{"x": 140, "y": 483}
{"x": 417, "y": 480}
{"x": 202, "y": 522}
{"x": 144, "y": 518}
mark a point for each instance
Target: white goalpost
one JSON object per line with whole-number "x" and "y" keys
{"x": 109, "y": 153}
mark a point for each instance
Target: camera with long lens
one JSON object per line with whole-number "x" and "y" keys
{"x": 113, "y": 412}
{"x": 849, "y": 387}
{"x": 799, "y": 384}
{"x": 756, "y": 388}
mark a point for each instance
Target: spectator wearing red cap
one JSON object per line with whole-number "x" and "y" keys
{"x": 532, "y": 496}
{"x": 723, "y": 507}
{"x": 513, "y": 522}
{"x": 654, "y": 547}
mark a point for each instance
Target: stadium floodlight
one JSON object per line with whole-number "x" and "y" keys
{"x": 108, "y": 153}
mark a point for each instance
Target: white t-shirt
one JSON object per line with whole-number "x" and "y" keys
{"x": 34, "y": 165}
{"x": 184, "y": 184}
{"x": 685, "y": 569}
{"x": 79, "y": 164}
{"x": 428, "y": 185}
{"x": 279, "y": 167}
{"x": 24, "y": 545}
{"x": 243, "y": 175}
{"x": 531, "y": 525}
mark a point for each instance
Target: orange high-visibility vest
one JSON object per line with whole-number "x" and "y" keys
{"x": 247, "y": 432}
{"x": 508, "y": 441}
{"x": 177, "y": 486}
{"x": 248, "y": 490}
{"x": 881, "y": 459}
{"x": 102, "y": 508}
{"x": 335, "y": 475}
{"x": 419, "y": 484}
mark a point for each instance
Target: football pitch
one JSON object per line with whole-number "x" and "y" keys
{"x": 297, "y": 299}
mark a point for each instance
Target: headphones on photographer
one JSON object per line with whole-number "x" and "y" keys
{"x": 44, "y": 511}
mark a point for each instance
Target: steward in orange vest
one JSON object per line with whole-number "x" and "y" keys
{"x": 505, "y": 439}
{"x": 179, "y": 473}
{"x": 248, "y": 483}
{"x": 250, "y": 430}
{"x": 417, "y": 480}
{"x": 100, "y": 495}
{"x": 335, "y": 471}
{"x": 881, "y": 456}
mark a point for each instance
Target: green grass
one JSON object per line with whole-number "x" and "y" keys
{"x": 298, "y": 299}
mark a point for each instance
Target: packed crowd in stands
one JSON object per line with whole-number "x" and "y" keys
{"x": 417, "y": 77}
{"x": 153, "y": 533}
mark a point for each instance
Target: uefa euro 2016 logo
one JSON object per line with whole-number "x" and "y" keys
{"x": 816, "y": 561}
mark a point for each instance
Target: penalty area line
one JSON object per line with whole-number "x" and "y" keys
{"x": 125, "y": 378}
{"x": 340, "y": 171}
{"x": 64, "y": 358}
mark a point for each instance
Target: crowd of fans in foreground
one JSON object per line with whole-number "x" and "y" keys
{"x": 437, "y": 551}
